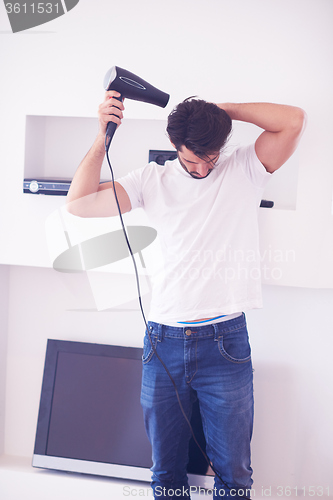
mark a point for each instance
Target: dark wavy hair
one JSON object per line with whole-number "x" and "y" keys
{"x": 201, "y": 126}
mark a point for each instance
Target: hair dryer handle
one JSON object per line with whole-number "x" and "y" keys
{"x": 110, "y": 130}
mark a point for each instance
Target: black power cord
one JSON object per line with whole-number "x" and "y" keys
{"x": 107, "y": 145}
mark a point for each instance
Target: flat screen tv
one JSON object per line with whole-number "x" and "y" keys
{"x": 90, "y": 418}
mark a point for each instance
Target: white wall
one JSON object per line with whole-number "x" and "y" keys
{"x": 292, "y": 343}
{"x": 268, "y": 50}
{"x": 4, "y": 303}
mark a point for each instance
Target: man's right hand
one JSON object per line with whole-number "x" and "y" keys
{"x": 111, "y": 110}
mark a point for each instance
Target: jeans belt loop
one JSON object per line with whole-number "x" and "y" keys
{"x": 216, "y": 331}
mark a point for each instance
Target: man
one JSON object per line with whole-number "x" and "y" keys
{"x": 204, "y": 206}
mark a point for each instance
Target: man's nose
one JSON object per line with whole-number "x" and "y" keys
{"x": 203, "y": 169}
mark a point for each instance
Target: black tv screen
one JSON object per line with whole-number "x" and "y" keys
{"x": 90, "y": 418}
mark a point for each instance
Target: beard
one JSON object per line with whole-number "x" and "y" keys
{"x": 195, "y": 175}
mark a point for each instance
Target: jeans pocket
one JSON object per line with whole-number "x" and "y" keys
{"x": 235, "y": 346}
{"x": 148, "y": 350}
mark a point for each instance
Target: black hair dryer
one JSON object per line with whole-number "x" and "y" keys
{"x": 131, "y": 86}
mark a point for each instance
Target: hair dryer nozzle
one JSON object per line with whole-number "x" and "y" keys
{"x": 131, "y": 86}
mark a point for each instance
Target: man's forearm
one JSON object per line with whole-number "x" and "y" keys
{"x": 86, "y": 196}
{"x": 87, "y": 177}
{"x": 268, "y": 116}
{"x": 86, "y": 180}
{"x": 283, "y": 126}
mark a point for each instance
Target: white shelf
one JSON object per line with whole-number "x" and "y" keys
{"x": 19, "y": 480}
{"x": 55, "y": 146}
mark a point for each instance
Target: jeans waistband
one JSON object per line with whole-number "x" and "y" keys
{"x": 215, "y": 330}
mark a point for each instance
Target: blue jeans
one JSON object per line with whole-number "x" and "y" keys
{"x": 211, "y": 363}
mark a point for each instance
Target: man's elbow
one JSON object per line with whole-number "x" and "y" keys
{"x": 77, "y": 208}
{"x": 299, "y": 121}
{"x": 72, "y": 211}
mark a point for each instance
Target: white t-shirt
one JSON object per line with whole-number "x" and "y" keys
{"x": 208, "y": 231}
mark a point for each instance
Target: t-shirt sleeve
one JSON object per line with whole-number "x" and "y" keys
{"x": 132, "y": 183}
{"x": 252, "y": 166}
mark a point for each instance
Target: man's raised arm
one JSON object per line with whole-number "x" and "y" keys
{"x": 86, "y": 196}
{"x": 283, "y": 127}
